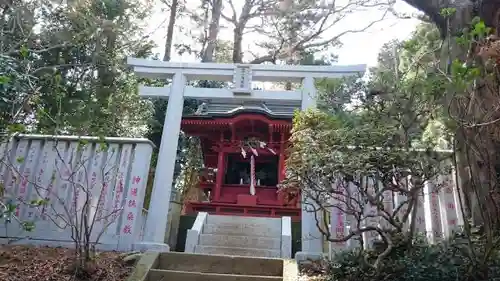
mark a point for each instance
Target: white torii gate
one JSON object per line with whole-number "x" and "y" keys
{"x": 242, "y": 76}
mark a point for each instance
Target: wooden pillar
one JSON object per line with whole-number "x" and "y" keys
{"x": 270, "y": 133}
{"x": 281, "y": 164}
{"x": 233, "y": 132}
{"x": 219, "y": 180}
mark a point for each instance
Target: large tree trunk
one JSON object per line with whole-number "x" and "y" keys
{"x": 213, "y": 31}
{"x": 237, "y": 41}
{"x": 239, "y": 28}
{"x": 170, "y": 30}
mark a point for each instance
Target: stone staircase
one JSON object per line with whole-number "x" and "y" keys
{"x": 173, "y": 266}
{"x": 240, "y": 236}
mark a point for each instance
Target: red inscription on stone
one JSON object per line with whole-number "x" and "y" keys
{"x": 132, "y": 203}
{"x": 130, "y": 216}
{"x": 127, "y": 229}
{"x": 133, "y": 192}
{"x": 136, "y": 180}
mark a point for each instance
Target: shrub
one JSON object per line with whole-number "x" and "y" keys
{"x": 451, "y": 260}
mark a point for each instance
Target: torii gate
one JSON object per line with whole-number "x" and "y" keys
{"x": 242, "y": 76}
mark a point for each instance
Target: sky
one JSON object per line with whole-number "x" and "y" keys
{"x": 357, "y": 48}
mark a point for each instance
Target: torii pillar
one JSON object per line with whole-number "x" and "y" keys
{"x": 242, "y": 76}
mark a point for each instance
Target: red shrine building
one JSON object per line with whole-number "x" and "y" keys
{"x": 241, "y": 179}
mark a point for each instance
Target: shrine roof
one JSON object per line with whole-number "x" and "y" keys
{"x": 217, "y": 110}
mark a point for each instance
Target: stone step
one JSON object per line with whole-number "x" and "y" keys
{"x": 236, "y": 251}
{"x": 220, "y": 264}
{"x": 246, "y": 241}
{"x": 172, "y": 275}
{"x": 243, "y": 229}
{"x": 220, "y": 219}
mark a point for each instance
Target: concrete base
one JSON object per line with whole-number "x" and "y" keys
{"x": 161, "y": 274}
{"x": 302, "y": 257}
{"x": 237, "y": 251}
{"x": 194, "y": 267}
{"x": 151, "y": 247}
{"x": 220, "y": 264}
{"x": 223, "y": 240}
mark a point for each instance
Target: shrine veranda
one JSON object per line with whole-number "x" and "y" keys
{"x": 227, "y": 117}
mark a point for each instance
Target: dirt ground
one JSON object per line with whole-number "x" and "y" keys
{"x": 29, "y": 263}
{"x": 313, "y": 271}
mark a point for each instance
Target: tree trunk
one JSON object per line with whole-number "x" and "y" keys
{"x": 487, "y": 10}
{"x": 238, "y": 39}
{"x": 106, "y": 75}
{"x": 238, "y": 30}
{"x": 213, "y": 31}
{"x": 170, "y": 30}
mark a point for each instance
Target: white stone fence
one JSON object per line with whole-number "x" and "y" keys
{"x": 102, "y": 178}
{"x": 438, "y": 213}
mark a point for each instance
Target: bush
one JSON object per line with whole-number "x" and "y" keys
{"x": 446, "y": 261}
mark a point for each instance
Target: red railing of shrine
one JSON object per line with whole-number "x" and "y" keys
{"x": 236, "y": 210}
{"x": 266, "y": 195}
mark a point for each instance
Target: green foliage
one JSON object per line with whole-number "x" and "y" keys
{"x": 384, "y": 113}
{"x": 370, "y": 142}
{"x": 15, "y": 88}
{"x": 68, "y": 75}
{"x": 445, "y": 261}
{"x": 107, "y": 103}
{"x": 448, "y": 12}
{"x": 463, "y": 73}
{"x": 334, "y": 95}
{"x": 408, "y": 75}
{"x": 8, "y": 212}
